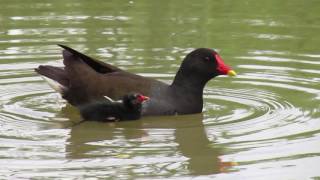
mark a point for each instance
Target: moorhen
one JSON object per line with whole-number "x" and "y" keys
{"x": 128, "y": 109}
{"x": 84, "y": 79}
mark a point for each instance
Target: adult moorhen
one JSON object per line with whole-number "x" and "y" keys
{"x": 128, "y": 109}
{"x": 84, "y": 79}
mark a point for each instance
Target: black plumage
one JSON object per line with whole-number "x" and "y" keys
{"x": 128, "y": 109}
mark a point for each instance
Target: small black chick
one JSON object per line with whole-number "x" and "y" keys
{"x": 128, "y": 109}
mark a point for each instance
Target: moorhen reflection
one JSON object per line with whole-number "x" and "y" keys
{"x": 189, "y": 135}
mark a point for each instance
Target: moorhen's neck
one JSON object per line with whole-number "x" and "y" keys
{"x": 189, "y": 82}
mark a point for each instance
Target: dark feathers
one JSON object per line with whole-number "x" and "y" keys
{"x": 128, "y": 109}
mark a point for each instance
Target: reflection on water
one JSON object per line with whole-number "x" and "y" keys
{"x": 263, "y": 123}
{"x": 151, "y": 140}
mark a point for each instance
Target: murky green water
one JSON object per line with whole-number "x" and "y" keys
{"x": 263, "y": 124}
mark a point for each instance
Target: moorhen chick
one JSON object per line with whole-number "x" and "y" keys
{"x": 128, "y": 109}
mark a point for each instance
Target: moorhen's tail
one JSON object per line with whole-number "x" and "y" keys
{"x": 57, "y": 74}
{"x": 78, "y": 79}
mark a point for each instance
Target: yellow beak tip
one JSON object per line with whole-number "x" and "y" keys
{"x": 232, "y": 73}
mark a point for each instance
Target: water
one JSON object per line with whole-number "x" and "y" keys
{"x": 263, "y": 124}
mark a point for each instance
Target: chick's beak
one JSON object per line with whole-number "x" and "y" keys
{"x": 142, "y": 98}
{"x": 145, "y": 98}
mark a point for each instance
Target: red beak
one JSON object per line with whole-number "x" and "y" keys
{"x": 142, "y": 98}
{"x": 222, "y": 68}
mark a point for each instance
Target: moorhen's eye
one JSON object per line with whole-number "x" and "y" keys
{"x": 207, "y": 58}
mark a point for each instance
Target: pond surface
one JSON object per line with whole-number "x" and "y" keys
{"x": 262, "y": 124}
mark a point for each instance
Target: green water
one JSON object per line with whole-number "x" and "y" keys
{"x": 262, "y": 124}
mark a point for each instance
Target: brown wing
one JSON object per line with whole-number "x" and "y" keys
{"x": 70, "y": 54}
{"x": 85, "y": 79}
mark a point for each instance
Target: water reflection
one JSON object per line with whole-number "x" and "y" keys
{"x": 89, "y": 139}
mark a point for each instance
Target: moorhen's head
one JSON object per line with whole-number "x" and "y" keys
{"x": 202, "y": 65}
{"x": 134, "y": 100}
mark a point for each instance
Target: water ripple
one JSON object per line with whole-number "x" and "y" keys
{"x": 268, "y": 115}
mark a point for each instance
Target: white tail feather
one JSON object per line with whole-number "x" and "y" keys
{"x": 111, "y": 100}
{"x": 108, "y": 98}
{"x": 54, "y": 85}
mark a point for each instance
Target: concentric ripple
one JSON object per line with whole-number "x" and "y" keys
{"x": 245, "y": 112}
{"x": 248, "y": 121}
{"x": 243, "y": 127}
{"x": 243, "y": 120}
